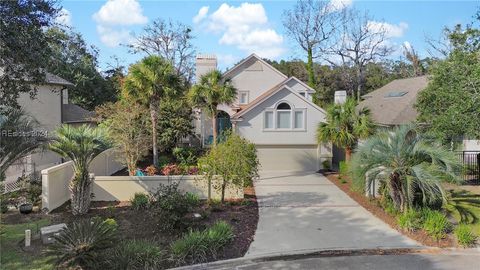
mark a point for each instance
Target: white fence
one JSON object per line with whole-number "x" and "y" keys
{"x": 55, "y": 180}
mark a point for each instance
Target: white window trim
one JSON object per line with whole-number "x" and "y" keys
{"x": 292, "y": 111}
{"x": 240, "y": 97}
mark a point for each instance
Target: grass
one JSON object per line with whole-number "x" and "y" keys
{"x": 12, "y": 257}
{"x": 464, "y": 206}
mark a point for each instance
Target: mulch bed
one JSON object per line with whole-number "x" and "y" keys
{"x": 241, "y": 214}
{"x": 373, "y": 207}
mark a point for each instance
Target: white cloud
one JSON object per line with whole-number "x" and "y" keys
{"x": 202, "y": 14}
{"x": 120, "y": 12}
{"x": 113, "y": 37}
{"x": 64, "y": 17}
{"x": 246, "y": 27}
{"x": 227, "y": 60}
{"x": 391, "y": 30}
{"x": 340, "y": 4}
{"x": 113, "y": 17}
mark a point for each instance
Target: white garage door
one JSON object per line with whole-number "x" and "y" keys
{"x": 288, "y": 158}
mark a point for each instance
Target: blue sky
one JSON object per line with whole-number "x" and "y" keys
{"x": 105, "y": 24}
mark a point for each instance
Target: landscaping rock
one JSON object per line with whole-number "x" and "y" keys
{"x": 48, "y": 232}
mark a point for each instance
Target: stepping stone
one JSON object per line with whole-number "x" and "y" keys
{"x": 47, "y": 233}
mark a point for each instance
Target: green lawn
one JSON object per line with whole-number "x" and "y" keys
{"x": 12, "y": 257}
{"x": 465, "y": 207}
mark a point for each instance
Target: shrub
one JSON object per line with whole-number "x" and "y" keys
{"x": 170, "y": 205}
{"x": 34, "y": 191}
{"x": 185, "y": 155}
{"x": 3, "y": 203}
{"x": 81, "y": 243}
{"x": 435, "y": 223}
{"x": 133, "y": 255}
{"x": 112, "y": 223}
{"x": 192, "y": 199}
{"x": 343, "y": 168}
{"x": 151, "y": 170}
{"x": 140, "y": 201}
{"x": 465, "y": 236}
{"x": 234, "y": 161}
{"x": 326, "y": 165}
{"x": 171, "y": 169}
{"x": 162, "y": 161}
{"x": 410, "y": 220}
{"x": 199, "y": 246}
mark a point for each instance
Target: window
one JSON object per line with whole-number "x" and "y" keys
{"x": 243, "y": 99}
{"x": 298, "y": 120}
{"x": 284, "y": 117}
{"x": 268, "y": 124}
{"x": 302, "y": 94}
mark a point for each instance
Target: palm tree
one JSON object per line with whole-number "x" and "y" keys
{"x": 410, "y": 166}
{"x": 149, "y": 81}
{"x": 345, "y": 126}
{"x": 211, "y": 91}
{"x": 17, "y": 138}
{"x": 81, "y": 145}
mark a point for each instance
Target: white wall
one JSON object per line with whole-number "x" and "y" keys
{"x": 251, "y": 127}
{"x": 471, "y": 145}
{"x": 55, "y": 180}
{"x": 123, "y": 188}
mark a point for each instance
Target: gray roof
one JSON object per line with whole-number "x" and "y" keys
{"x": 54, "y": 79}
{"x": 393, "y": 104}
{"x": 73, "y": 113}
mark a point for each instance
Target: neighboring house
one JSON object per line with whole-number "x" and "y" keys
{"x": 50, "y": 108}
{"x": 273, "y": 111}
{"x": 394, "y": 104}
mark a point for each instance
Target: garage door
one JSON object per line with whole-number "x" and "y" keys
{"x": 288, "y": 158}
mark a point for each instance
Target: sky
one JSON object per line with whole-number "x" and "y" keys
{"x": 234, "y": 29}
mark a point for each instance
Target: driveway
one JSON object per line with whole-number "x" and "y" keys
{"x": 305, "y": 211}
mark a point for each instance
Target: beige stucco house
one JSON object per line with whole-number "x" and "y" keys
{"x": 50, "y": 108}
{"x": 273, "y": 111}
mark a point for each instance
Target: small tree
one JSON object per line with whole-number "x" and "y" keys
{"x": 175, "y": 121}
{"x": 127, "y": 126}
{"x": 411, "y": 166}
{"x": 232, "y": 162}
{"x": 345, "y": 126}
{"x": 211, "y": 91}
{"x": 81, "y": 145}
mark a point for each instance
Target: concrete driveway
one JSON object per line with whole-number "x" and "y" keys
{"x": 305, "y": 212}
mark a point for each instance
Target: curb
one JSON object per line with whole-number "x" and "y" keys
{"x": 305, "y": 254}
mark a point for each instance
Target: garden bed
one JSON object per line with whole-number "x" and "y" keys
{"x": 138, "y": 224}
{"x": 373, "y": 207}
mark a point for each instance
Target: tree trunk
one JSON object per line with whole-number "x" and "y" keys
{"x": 359, "y": 83}
{"x": 80, "y": 190}
{"x": 224, "y": 184}
{"x": 154, "y": 117}
{"x": 395, "y": 191}
{"x": 348, "y": 154}
{"x": 214, "y": 124}
{"x": 311, "y": 74}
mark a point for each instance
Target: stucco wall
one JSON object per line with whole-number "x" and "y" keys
{"x": 55, "y": 180}
{"x": 471, "y": 145}
{"x": 122, "y": 188}
{"x": 251, "y": 127}
{"x": 255, "y": 77}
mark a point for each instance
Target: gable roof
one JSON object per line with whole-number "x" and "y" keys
{"x": 310, "y": 89}
{"x": 270, "y": 93}
{"x": 239, "y": 65}
{"x": 394, "y": 103}
{"x": 54, "y": 79}
{"x": 73, "y": 113}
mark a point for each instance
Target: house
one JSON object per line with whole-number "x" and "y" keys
{"x": 50, "y": 108}
{"x": 273, "y": 111}
{"x": 394, "y": 104}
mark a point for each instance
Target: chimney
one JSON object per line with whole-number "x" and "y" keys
{"x": 340, "y": 97}
{"x": 204, "y": 64}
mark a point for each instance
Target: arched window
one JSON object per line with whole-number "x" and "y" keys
{"x": 284, "y": 117}
{"x": 283, "y": 106}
